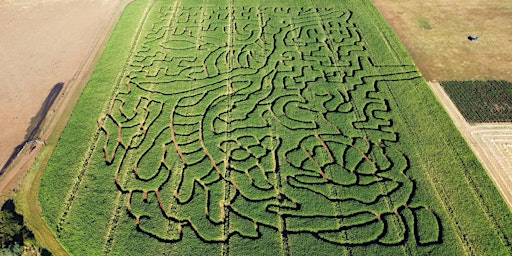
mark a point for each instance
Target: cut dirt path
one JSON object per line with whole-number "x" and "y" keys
{"x": 491, "y": 143}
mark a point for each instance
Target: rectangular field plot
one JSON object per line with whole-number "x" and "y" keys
{"x": 482, "y": 101}
{"x": 264, "y": 129}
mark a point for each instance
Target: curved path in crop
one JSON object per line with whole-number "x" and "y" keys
{"x": 258, "y": 76}
{"x": 491, "y": 143}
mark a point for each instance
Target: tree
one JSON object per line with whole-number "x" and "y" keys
{"x": 12, "y": 229}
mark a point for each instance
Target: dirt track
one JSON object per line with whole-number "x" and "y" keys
{"x": 491, "y": 143}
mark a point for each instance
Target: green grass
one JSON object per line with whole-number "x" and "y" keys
{"x": 424, "y": 24}
{"x": 265, "y": 128}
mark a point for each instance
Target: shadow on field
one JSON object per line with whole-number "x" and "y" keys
{"x": 35, "y": 124}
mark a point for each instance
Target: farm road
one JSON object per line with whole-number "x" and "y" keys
{"x": 491, "y": 143}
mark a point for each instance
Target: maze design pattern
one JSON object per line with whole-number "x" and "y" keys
{"x": 228, "y": 119}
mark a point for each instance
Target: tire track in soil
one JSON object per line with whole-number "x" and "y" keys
{"x": 227, "y": 189}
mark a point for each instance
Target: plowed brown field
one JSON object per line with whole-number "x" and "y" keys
{"x": 42, "y": 44}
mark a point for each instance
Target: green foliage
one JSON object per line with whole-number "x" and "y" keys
{"x": 15, "y": 237}
{"x": 424, "y": 24}
{"x": 11, "y": 229}
{"x": 12, "y": 250}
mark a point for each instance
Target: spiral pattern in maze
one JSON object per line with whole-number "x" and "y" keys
{"x": 229, "y": 119}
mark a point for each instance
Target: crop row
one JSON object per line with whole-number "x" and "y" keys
{"x": 482, "y": 101}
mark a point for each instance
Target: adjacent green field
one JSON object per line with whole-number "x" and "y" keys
{"x": 265, "y": 128}
{"x": 482, "y": 101}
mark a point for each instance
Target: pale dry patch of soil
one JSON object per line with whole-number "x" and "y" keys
{"x": 491, "y": 143}
{"x": 43, "y": 43}
{"x": 435, "y": 32}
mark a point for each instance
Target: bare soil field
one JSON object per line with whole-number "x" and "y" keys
{"x": 435, "y": 33}
{"x": 491, "y": 143}
{"x": 47, "y": 49}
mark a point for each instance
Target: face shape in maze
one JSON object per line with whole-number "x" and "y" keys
{"x": 236, "y": 118}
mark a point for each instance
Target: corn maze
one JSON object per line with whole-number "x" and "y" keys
{"x": 249, "y": 124}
